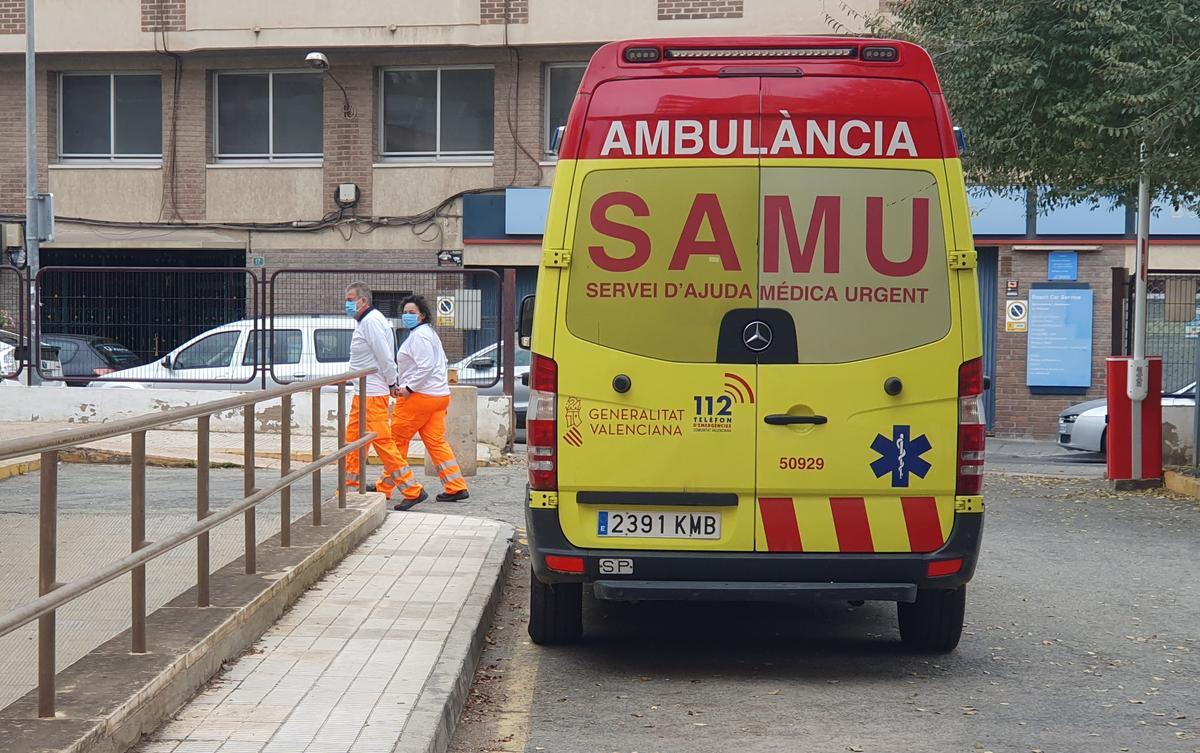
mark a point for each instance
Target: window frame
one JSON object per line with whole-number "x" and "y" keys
{"x": 112, "y": 157}
{"x": 547, "y": 126}
{"x": 233, "y": 355}
{"x": 270, "y": 157}
{"x": 437, "y": 155}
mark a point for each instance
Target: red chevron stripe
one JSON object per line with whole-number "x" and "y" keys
{"x": 850, "y": 522}
{"x": 779, "y": 524}
{"x": 921, "y": 520}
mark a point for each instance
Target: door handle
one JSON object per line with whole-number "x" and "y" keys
{"x": 784, "y": 419}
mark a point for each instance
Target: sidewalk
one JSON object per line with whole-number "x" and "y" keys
{"x": 177, "y": 449}
{"x": 377, "y": 657}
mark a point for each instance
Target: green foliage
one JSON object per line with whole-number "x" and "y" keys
{"x": 1061, "y": 93}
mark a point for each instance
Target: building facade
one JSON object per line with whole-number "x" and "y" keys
{"x": 193, "y": 133}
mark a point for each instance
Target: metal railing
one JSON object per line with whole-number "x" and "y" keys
{"x": 52, "y": 595}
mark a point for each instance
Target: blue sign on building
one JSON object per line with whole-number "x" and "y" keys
{"x": 1060, "y": 337}
{"x": 1062, "y": 266}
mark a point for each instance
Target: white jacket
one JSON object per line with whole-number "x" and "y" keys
{"x": 421, "y": 362}
{"x": 372, "y": 347}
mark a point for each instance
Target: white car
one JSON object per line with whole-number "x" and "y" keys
{"x": 305, "y": 346}
{"x": 482, "y": 368}
{"x": 1084, "y": 426}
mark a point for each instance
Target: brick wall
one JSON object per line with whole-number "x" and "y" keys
{"x": 350, "y": 142}
{"x": 12, "y": 137}
{"x": 185, "y": 144}
{"x": 164, "y": 15}
{"x": 12, "y": 16}
{"x": 1019, "y": 413}
{"x": 675, "y": 10}
{"x": 492, "y": 11}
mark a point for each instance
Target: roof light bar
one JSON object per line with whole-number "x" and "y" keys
{"x": 765, "y": 52}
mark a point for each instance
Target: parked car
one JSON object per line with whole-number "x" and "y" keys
{"x": 305, "y": 346}
{"x": 86, "y": 357}
{"x": 51, "y": 363}
{"x": 1084, "y": 426}
{"x": 482, "y": 368}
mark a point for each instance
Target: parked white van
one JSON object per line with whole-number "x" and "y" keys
{"x": 305, "y": 346}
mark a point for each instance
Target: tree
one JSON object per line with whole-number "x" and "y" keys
{"x": 1060, "y": 94}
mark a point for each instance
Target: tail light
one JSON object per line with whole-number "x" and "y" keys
{"x": 541, "y": 428}
{"x": 102, "y": 372}
{"x": 972, "y": 432}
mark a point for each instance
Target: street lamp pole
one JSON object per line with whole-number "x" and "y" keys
{"x": 33, "y": 229}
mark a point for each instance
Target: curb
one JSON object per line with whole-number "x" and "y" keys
{"x": 1188, "y": 486}
{"x": 435, "y": 715}
{"x": 20, "y": 468}
{"x": 143, "y": 691}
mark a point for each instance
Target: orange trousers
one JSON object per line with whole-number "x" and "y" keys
{"x": 425, "y": 415}
{"x": 377, "y": 422}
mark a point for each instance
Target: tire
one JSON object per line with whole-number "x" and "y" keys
{"x": 555, "y": 612}
{"x": 934, "y": 622}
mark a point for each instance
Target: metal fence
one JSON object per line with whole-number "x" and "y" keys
{"x": 14, "y": 311}
{"x": 466, "y": 324}
{"x": 53, "y": 595}
{"x": 229, "y": 327}
{"x": 108, "y": 319}
{"x": 1172, "y": 325}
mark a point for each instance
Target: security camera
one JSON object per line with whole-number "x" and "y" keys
{"x": 317, "y": 60}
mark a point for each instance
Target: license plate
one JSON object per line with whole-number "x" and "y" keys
{"x": 659, "y": 525}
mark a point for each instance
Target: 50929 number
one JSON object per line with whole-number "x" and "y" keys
{"x": 802, "y": 464}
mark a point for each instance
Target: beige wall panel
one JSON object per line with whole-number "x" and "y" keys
{"x": 264, "y": 194}
{"x": 403, "y": 191}
{"x": 107, "y": 193}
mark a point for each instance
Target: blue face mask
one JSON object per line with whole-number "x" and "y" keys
{"x": 351, "y": 308}
{"x": 410, "y": 320}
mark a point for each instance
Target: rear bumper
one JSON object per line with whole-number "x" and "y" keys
{"x": 753, "y": 576}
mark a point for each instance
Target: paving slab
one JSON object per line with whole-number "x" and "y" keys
{"x": 377, "y": 657}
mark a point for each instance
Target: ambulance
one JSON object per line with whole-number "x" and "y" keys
{"x": 756, "y": 365}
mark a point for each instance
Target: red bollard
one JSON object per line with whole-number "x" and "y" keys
{"x": 1120, "y": 422}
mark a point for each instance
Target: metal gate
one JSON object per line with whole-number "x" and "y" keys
{"x": 1172, "y": 325}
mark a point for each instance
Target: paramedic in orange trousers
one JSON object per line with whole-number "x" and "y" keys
{"x": 372, "y": 347}
{"x": 422, "y": 398}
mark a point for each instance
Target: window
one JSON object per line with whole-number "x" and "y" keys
{"x": 333, "y": 345}
{"x": 438, "y": 112}
{"x": 214, "y": 351}
{"x": 268, "y": 116}
{"x": 110, "y": 116}
{"x": 562, "y": 81}
{"x": 286, "y": 346}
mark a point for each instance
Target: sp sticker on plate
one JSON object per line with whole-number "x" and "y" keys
{"x": 616, "y": 567}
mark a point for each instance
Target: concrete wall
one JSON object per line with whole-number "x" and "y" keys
{"x": 85, "y": 406}
{"x": 113, "y": 193}
{"x": 264, "y": 194}
{"x": 131, "y": 25}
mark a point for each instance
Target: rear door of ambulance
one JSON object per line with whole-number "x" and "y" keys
{"x": 858, "y": 390}
{"x": 656, "y": 435}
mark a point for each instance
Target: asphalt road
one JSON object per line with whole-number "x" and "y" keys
{"x": 1083, "y": 635}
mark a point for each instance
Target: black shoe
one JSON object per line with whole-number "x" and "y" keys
{"x": 409, "y": 504}
{"x": 455, "y": 497}
{"x": 370, "y": 487}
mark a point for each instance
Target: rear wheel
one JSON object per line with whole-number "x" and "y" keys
{"x": 555, "y": 611}
{"x": 934, "y": 622}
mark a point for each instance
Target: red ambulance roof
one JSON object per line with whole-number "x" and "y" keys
{"x": 849, "y": 107}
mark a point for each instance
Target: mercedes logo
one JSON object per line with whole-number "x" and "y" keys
{"x": 757, "y": 336}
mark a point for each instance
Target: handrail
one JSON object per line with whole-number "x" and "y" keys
{"x": 52, "y": 595}
{"x": 86, "y": 433}
{"x": 67, "y": 592}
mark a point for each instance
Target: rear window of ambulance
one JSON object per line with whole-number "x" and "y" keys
{"x": 857, "y": 256}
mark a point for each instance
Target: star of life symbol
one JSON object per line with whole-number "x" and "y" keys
{"x": 900, "y": 456}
